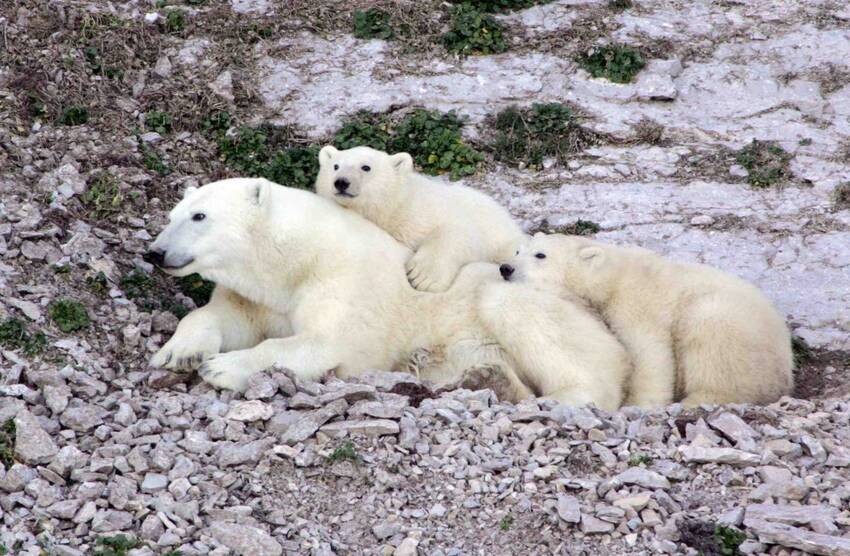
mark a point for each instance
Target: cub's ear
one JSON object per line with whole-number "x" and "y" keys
{"x": 402, "y": 162}
{"x": 327, "y": 153}
{"x": 592, "y": 255}
{"x": 261, "y": 192}
{"x": 189, "y": 191}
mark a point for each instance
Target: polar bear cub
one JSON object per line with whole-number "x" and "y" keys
{"x": 695, "y": 333}
{"x": 446, "y": 225}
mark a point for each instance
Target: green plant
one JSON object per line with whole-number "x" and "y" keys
{"x": 14, "y": 335}
{"x": 364, "y": 129}
{"x": 639, "y": 459}
{"x": 506, "y": 522}
{"x": 473, "y": 32}
{"x": 372, "y": 24}
{"x": 159, "y": 121}
{"x": 729, "y": 540}
{"x": 841, "y": 196}
{"x": 118, "y": 545}
{"x": 765, "y": 161}
{"x": 528, "y": 135}
{"x": 620, "y": 4}
{"x": 344, "y": 452}
{"x": 271, "y": 152}
{"x": 68, "y": 315}
{"x": 153, "y": 161}
{"x": 137, "y": 284}
{"x": 3, "y": 549}
{"x": 616, "y": 63}
{"x": 103, "y": 195}
{"x": 805, "y": 142}
{"x": 98, "y": 283}
{"x": 74, "y": 115}
{"x": 801, "y": 349}
{"x": 434, "y": 141}
{"x": 501, "y": 5}
{"x": 216, "y": 123}
{"x": 195, "y": 287}
{"x": 7, "y": 443}
{"x": 175, "y": 21}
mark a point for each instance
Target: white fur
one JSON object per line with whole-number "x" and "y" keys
{"x": 446, "y": 225}
{"x": 695, "y": 333}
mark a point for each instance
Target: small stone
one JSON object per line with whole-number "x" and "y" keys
{"x": 732, "y": 427}
{"x": 698, "y": 454}
{"x": 643, "y": 477}
{"x": 163, "y": 67}
{"x": 367, "y": 427}
{"x": 592, "y": 525}
{"x": 230, "y": 454}
{"x": 261, "y": 386}
{"x": 33, "y": 445}
{"x": 249, "y": 411}
{"x": 223, "y": 86}
{"x": 305, "y": 427}
{"x": 636, "y": 502}
{"x": 154, "y": 482}
{"x": 152, "y": 528}
{"x": 81, "y": 418}
{"x": 408, "y": 547}
{"x": 386, "y": 529}
{"x": 65, "y": 509}
{"x": 795, "y": 537}
{"x": 245, "y": 539}
{"x": 569, "y": 508}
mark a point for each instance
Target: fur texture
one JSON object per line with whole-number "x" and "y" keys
{"x": 695, "y": 334}
{"x": 446, "y": 225}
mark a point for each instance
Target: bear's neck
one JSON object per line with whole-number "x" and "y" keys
{"x": 394, "y": 216}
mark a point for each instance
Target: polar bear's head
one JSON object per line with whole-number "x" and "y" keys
{"x": 212, "y": 229}
{"x": 577, "y": 263}
{"x": 361, "y": 177}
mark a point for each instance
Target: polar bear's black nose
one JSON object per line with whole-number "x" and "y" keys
{"x": 506, "y": 270}
{"x": 155, "y": 257}
{"x": 341, "y": 184}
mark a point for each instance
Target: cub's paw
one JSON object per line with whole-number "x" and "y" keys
{"x": 229, "y": 370}
{"x": 428, "y": 271}
{"x": 185, "y": 352}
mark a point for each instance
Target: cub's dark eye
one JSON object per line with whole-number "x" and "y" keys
{"x": 517, "y": 252}
{"x": 336, "y": 166}
{"x": 198, "y": 216}
{"x": 365, "y": 168}
{"x": 540, "y": 255}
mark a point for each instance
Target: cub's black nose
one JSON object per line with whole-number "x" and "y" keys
{"x": 154, "y": 257}
{"x": 506, "y": 270}
{"x": 341, "y": 184}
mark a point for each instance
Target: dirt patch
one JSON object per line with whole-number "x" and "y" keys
{"x": 822, "y": 374}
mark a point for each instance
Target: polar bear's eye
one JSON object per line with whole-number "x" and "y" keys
{"x": 198, "y": 216}
{"x": 540, "y": 255}
{"x": 365, "y": 168}
{"x": 336, "y": 166}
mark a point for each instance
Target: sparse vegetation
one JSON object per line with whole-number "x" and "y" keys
{"x": 841, "y": 196}
{"x": 578, "y": 228}
{"x": 617, "y": 63}
{"x": 620, "y": 5}
{"x": 639, "y": 459}
{"x": 68, "y": 315}
{"x": 434, "y": 141}
{"x": 506, "y": 522}
{"x": 175, "y": 21}
{"x": 766, "y": 162}
{"x": 153, "y": 161}
{"x": 118, "y": 545}
{"x": 15, "y": 336}
{"x": 195, "y": 287}
{"x": 649, "y": 132}
{"x": 272, "y": 152}
{"x": 801, "y": 349}
{"x": 473, "y": 32}
{"x": 364, "y": 129}
{"x": 345, "y": 452}
{"x": 159, "y": 121}
{"x": 7, "y": 444}
{"x": 729, "y": 540}
{"x": 373, "y": 23}
{"x": 98, "y": 284}
{"x": 103, "y": 196}
{"x": 136, "y": 284}
{"x": 710, "y": 539}
{"x": 529, "y": 135}
{"x": 74, "y": 115}
{"x": 501, "y": 5}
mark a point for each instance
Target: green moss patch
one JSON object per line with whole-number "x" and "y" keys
{"x": 373, "y": 23}
{"x": 432, "y": 138}
{"x": 617, "y": 63}
{"x": 15, "y": 336}
{"x": 528, "y": 135}
{"x": 578, "y": 228}
{"x": 7, "y": 443}
{"x": 344, "y": 452}
{"x": 620, "y": 5}
{"x": 74, "y": 115}
{"x": 158, "y": 121}
{"x": 68, "y": 315}
{"x": 841, "y": 196}
{"x": 118, "y": 545}
{"x": 195, "y": 287}
{"x": 766, "y": 162}
{"x": 103, "y": 196}
{"x": 639, "y": 459}
{"x": 501, "y": 5}
{"x": 710, "y": 539}
{"x": 473, "y": 32}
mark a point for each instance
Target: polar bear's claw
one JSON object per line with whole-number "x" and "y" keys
{"x": 428, "y": 271}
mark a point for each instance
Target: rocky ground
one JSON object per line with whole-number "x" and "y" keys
{"x": 107, "y": 111}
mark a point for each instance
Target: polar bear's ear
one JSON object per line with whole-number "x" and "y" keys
{"x": 261, "y": 192}
{"x": 327, "y": 153}
{"x": 402, "y": 162}
{"x": 592, "y": 255}
{"x": 189, "y": 191}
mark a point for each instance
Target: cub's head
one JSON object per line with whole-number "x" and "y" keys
{"x": 212, "y": 228}
{"x": 576, "y": 263}
{"x": 362, "y": 176}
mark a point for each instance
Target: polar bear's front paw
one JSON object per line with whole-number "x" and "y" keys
{"x": 184, "y": 352}
{"x": 229, "y": 370}
{"x": 428, "y": 271}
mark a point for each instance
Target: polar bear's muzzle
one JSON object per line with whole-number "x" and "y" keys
{"x": 166, "y": 261}
{"x": 343, "y": 188}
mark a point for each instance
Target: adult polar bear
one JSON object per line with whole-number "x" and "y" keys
{"x": 310, "y": 286}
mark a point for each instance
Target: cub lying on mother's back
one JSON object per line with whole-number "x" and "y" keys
{"x": 694, "y": 332}
{"x": 447, "y": 225}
